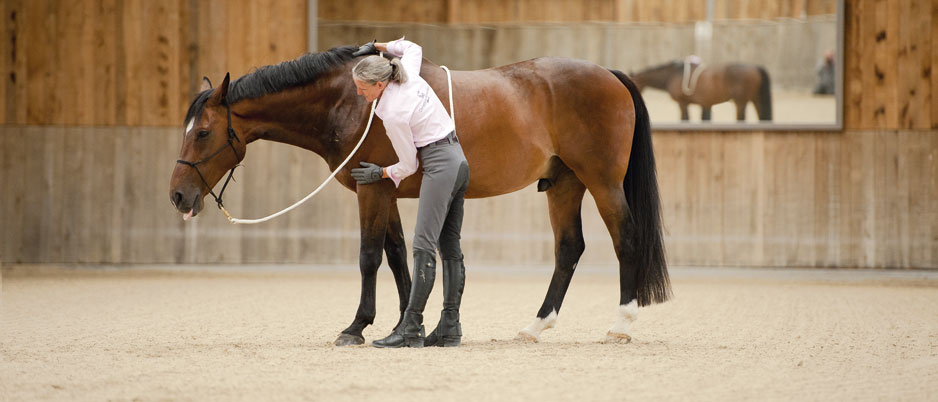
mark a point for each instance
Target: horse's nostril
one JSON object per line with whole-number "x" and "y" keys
{"x": 177, "y": 198}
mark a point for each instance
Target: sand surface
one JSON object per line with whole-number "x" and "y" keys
{"x": 266, "y": 333}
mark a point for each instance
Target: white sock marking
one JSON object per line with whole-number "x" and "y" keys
{"x": 627, "y": 313}
{"x": 533, "y": 331}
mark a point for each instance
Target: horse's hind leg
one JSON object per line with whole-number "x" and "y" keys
{"x": 705, "y": 113}
{"x": 395, "y": 248}
{"x": 614, "y": 209}
{"x": 564, "y": 199}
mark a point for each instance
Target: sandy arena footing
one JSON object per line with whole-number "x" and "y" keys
{"x": 266, "y": 333}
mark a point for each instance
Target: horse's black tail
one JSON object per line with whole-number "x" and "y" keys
{"x": 641, "y": 193}
{"x": 764, "y": 99}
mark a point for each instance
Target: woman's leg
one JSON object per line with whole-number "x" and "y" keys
{"x": 437, "y": 189}
{"x": 449, "y": 331}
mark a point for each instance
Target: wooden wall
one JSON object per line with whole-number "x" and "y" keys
{"x": 527, "y": 11}
{"x": 133, "y": 62}
{"x": 84, "y": 173}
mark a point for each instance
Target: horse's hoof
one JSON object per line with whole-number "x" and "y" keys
{"x": 349, "y": 339}
{"x": 613, "y": 337}
{"x": 526, "y": 337}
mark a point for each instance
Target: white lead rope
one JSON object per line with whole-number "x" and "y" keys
{"x": 233, "y": 220}
{"x": 449, "y": 82}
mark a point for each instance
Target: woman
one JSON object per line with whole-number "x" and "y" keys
{"x": 419, "y": 127}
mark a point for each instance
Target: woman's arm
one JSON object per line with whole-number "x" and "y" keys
{"x": 411, "y": 54}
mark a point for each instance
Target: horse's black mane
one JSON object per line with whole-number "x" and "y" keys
{"x": 276, "y": 78}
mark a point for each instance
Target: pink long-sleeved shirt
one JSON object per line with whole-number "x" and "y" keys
{"x": 413, "y": 115}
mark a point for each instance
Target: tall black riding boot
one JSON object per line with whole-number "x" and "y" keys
{"x": 449, "y": 332}
{"x": 411, "y": 332}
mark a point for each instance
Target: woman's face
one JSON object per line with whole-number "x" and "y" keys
{"x": 370, "y": 92}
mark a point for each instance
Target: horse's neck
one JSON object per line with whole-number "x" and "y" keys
{"x": 300, "y": 118}
{"x": 660, "y": 79}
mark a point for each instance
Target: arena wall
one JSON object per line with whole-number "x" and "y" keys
{"x": 94, "y": 92}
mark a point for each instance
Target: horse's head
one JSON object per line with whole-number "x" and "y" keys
{"x": 210, "y": 147}
{"x": 657, "y": 76}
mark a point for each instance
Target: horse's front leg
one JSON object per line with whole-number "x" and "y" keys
{"x": 374, "y": 201}
{"x": 705, "y": 113}
{"x": 685, "y": 116}
{"x": 740, "y": 110}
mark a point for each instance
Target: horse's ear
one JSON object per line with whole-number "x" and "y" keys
{"x": 206, "y": 85}
{"x": 221, "y": 92}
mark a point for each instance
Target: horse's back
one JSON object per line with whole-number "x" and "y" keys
{"x": 512, "y": 119}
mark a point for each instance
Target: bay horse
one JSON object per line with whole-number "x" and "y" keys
{"x": 741, "y": 83}
{"x": 571, "y": 125}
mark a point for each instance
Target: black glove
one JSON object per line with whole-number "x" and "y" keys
{"x": 367, "y": 174}
{"x": 366, "y": 49}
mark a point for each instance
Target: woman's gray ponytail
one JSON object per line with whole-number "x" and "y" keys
{"x": 398, "y": 74}
{"x": 373, "y": 69}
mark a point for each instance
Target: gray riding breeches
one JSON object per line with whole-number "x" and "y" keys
{"x": 442, "y": 193}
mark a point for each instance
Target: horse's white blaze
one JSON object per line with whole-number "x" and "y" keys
{"x": 189, "y": 126}
{"x": 620, "y": 330}
{"x": 533, "y": 332}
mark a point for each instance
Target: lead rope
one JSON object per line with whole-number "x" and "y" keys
{"x": 233, "y": 220}
{"x": 449, "y": 83}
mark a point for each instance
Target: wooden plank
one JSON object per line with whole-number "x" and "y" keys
{"x": 886, "y": 114}
{"x": 19, "y": 66}
{"x": 7, "y": 42}
{"x": 33, "y": 191}
{"x": 100, "y": 144}
{"x": 886, "y": 230}
{"x": 171, "y": 224}
{"x": 854, "y": 74}
{"x": 873, "y": 73}
{"x": 155, "y": 64}
{"x": 85, "y": 88}
{"x": 104, "y": 51}
{"x": 123, "y": 157}
{"x": 908, "y": 62}
{"x": 827, "y": 214}
{"x": 931, "y": 73}
{"x": 741, "y": 211}
{"x": 671, "y": 150}
{"x": 163, "y": 217}
{"x": 82, "y": 185}
{"x": 38, "y": 62}
{"x": 923, "y": 209}
{"x": 56, "y": 197}
{"x": 132, "y": 154}
{"x": 131, "y": 59}
{"x": 13, "y": 144}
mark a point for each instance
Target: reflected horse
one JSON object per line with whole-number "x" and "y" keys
{"x": 570, "y": 125}
{"x": 741, "y": 83}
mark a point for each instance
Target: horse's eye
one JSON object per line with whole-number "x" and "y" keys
{"x": 202, "y": 134}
